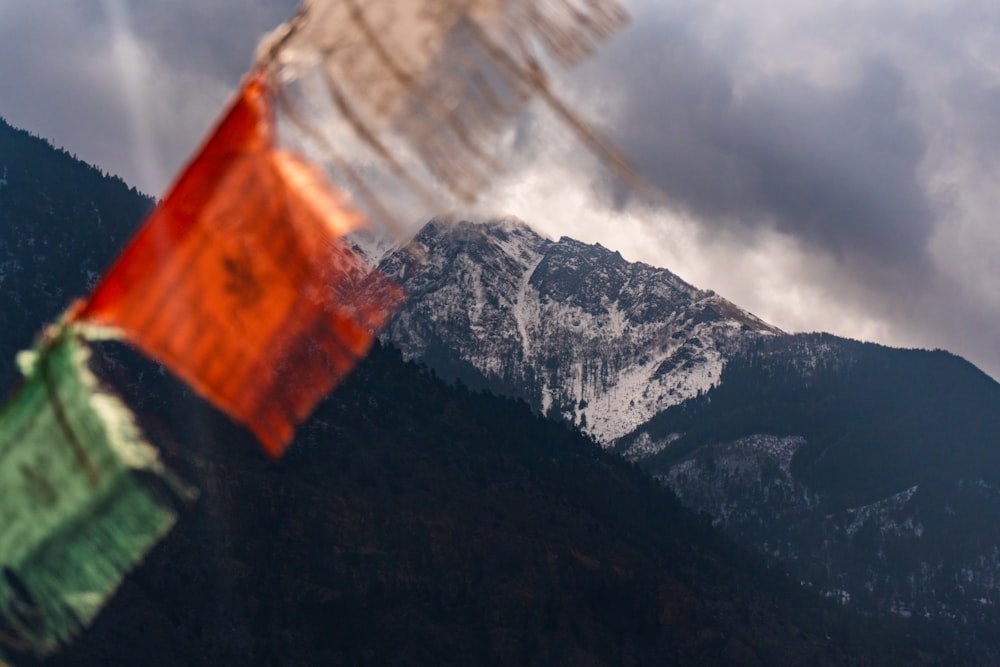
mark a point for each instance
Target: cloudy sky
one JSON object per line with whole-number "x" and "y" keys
{"x": 827, "y": 165}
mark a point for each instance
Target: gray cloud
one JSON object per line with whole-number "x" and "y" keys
{"x": 873, "y": 167}
{"x": 831, "y": 164}
{"x": 214, "y": 38}
{"x": 834, "y": 167}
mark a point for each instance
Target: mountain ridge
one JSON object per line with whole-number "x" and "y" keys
{"x": 872, "y": 472}
{"x": 538, "y": 311}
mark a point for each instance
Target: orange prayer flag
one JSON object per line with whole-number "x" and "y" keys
{"x": 241, "y": 283}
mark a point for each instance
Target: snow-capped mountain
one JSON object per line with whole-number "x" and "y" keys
{"x": 872, "y": 474}
{"x": 574, "y": 329}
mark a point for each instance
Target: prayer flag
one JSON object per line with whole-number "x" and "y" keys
{"x": 241, "y": 282}
{"x": 435, "y": 82}
{"x": 82, "y": 498}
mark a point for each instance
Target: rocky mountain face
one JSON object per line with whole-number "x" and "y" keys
{"x": 873, "y": 474}
{"x": 575, "y": 330}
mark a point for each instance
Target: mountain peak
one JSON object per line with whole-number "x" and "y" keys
{"x": 462, "y": 229}
{"x": 872, "y": 473}
{"x": 573, "y": 328}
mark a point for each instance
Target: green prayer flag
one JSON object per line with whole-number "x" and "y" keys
{"x": 83, "y": 497}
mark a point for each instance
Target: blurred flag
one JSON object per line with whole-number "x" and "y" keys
{"x": 428, "y": 86}
{"x": 82, "y": 498}
{"x": 241, "y": 281}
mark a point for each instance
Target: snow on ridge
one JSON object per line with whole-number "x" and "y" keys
{"x": 516, "y": 245}
{"x": 636, "y": 396}
{"x": 776, "y": 448}
{"x": 606, "y": 343}
{"x": 760, "y": 462}
{"x": 485, "y": 226}
{"x": 374, "y": 245}
{"x": 523, "y": 310}
{"x": 882, "y": 512}
{"x": 510, "y": 223}
{"x": 644, "y": 446}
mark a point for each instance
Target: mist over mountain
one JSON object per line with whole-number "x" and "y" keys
{"x": 872, "y": 473}
{"x": 412, "y": 522}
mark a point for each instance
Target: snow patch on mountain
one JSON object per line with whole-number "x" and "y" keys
{"x": 720, "y": 478}
{"x": 883, "y": 515}
{"x": 643, "y": 446}
{"x": 637, "y": 395}
{"x": 525, "y": 305}
{"x": 751, "y": 459}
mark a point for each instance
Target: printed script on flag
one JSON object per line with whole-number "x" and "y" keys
{"x": 241, "y": 281}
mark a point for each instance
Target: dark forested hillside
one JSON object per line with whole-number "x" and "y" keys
{"x": 415, "y": 523}
{"x": 61, "y": 223}
{"x": 872, "y": 473}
